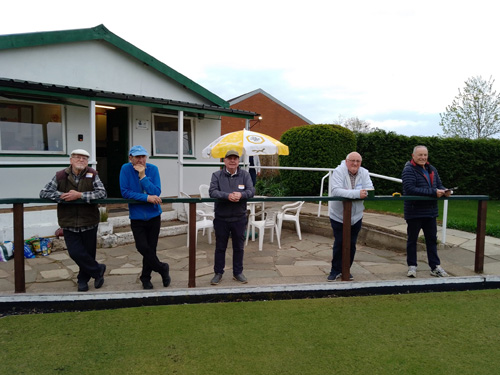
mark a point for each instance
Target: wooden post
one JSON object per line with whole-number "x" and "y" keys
{"x": 192, "y": 245}
{"x": 480, "y": 236}
{"x": 19, "y": 278}
{"x": 346, "y": 241}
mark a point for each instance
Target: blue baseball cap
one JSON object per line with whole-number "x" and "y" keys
{"x": 137, "y": 151}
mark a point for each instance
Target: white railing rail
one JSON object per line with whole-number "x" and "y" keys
{"x": 445, "y": 204}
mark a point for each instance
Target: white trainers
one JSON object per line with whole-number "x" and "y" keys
{"x": 439, "y": 272}
{"x": 412, "y": 271}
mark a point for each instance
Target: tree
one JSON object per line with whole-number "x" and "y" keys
{"x": 355, "y": 124}
{"x": 475, "y": 112}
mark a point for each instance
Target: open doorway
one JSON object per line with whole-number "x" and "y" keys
{"x": 111, "y": 146}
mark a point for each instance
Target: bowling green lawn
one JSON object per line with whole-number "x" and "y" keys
{"x": 426, "y": 333}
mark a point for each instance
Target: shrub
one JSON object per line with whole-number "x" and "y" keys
{"x": 271, "y": 187}
{"x": 472, "y": 165}
{"x": 313, "y": 146}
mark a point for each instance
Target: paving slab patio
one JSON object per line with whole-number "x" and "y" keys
{"x": 306, "y": 261}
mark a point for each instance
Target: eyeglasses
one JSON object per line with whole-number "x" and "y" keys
{"x": 354, "y": 161}
{"x": 79, "y": 157}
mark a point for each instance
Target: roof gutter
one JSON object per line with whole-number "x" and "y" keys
{"x": 45, "y": 91}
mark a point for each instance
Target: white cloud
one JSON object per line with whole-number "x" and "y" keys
{"x": 323, "y": 58}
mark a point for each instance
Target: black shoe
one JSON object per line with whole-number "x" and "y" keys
{"x": 83, "y": 286}
{"x": 100, "y": 279}
{"x": 146, "y": 283}
{"x": 241, "y": 278}
{"x": 334, "y": 276}
{"x": 165, "y": 276}
{"x": 337, "y": 276}
{"x": 216, "y": 279}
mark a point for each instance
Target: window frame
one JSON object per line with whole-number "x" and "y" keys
{"x": 191, "y": 141}
{"x": 25, "y": 104}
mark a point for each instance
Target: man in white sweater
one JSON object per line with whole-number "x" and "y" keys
{"x": 348, "y": 180}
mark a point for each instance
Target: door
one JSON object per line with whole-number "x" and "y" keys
{"x": 116, "y": 148}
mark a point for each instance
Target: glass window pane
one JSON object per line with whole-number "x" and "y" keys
{"x": 166, "y": 132}
{"x": 30, "y": 128}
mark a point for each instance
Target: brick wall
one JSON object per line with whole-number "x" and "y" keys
{"x": 275, "y": 118}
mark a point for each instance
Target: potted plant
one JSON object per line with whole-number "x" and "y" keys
{"x": 105, "y": 227}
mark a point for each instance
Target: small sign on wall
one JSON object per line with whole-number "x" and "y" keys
{"x": 142, "y": 124}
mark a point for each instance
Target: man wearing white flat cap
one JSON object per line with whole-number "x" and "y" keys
{"x": 79, "y": 221}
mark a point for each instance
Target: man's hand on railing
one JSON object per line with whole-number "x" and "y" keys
{"x": 440, "y": 193}
{"x": 363, "y": 193}
{"x": 71, "y": 195}
{"x": 154, "y": 199}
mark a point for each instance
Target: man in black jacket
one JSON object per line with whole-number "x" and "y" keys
{"x": 232, "y": 186}
{"x": 421, "y": 178}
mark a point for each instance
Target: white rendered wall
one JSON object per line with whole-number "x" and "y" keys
{"x": 36, "y": 223}
{"x": 94, "y": 65}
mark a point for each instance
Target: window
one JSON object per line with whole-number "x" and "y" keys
{"x": 165, "y": 135}
{"x": 30, "y": 128}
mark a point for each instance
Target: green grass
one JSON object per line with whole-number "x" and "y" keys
{"x": 462, "y": 215}
{"x": 432, "y": 333}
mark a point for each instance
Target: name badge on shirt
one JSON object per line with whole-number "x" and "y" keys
{"x": 89, "y": 175}
{"x": 241, "y": 187}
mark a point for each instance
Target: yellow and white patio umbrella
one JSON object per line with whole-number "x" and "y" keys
{"x": 246, "y": 142}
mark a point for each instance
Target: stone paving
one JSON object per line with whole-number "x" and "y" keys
{"x": 297, "y": 262}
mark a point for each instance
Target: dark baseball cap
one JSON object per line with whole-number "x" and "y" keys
{"x": 232, "y": 153}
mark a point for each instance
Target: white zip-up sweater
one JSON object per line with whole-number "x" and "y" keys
{"x": 340, "y": 186}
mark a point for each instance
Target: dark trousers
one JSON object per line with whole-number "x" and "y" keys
{"x": 338, "y": 233}
{"x": 429, "y": 227}
{"x": 253, "y": 175}
{"x": 146, "y": 234}
{"x": 252, "y": 171}
{"x": 82, "y": 249}
{"x": 223, "y": 230}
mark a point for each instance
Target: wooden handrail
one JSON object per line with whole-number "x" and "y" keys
{"x": 18, "y": 217}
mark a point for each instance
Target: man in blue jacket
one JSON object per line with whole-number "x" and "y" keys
{"x": 421, "y": 178}
{"x": 141, "y": 181}
{"x": 348, "y": 180}
{"x": 232, "y": 186}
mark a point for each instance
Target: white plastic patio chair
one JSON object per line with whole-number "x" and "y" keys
{"x": 290, "y": 212}
{"x": 268, "y": 221}
{"x": 207, "y": 206}
{"x": 206, "y": 221}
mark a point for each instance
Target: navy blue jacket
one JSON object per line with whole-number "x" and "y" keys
{"x": 415, "y": 182}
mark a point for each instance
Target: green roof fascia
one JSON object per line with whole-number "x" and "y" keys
{"x": 132, "y": 102}
{"x": 199, "y": 110}
{"x": 102, "y": 33}
{"x": 39, "y": 100}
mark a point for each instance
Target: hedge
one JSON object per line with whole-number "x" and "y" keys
{"x": 313, "y": 146}
{"x": 472, "y": 165}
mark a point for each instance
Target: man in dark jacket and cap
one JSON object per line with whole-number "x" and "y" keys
{"x": 232, "y": 186}
{"x": 421, "y": 178}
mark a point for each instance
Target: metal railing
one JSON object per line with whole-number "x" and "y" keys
{"x": 371, "y": 174}
{"x": 18, "y": 218}
{"x": 445, "y": 205}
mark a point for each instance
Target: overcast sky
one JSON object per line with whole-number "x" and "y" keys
{"x": 396, "y": 64}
